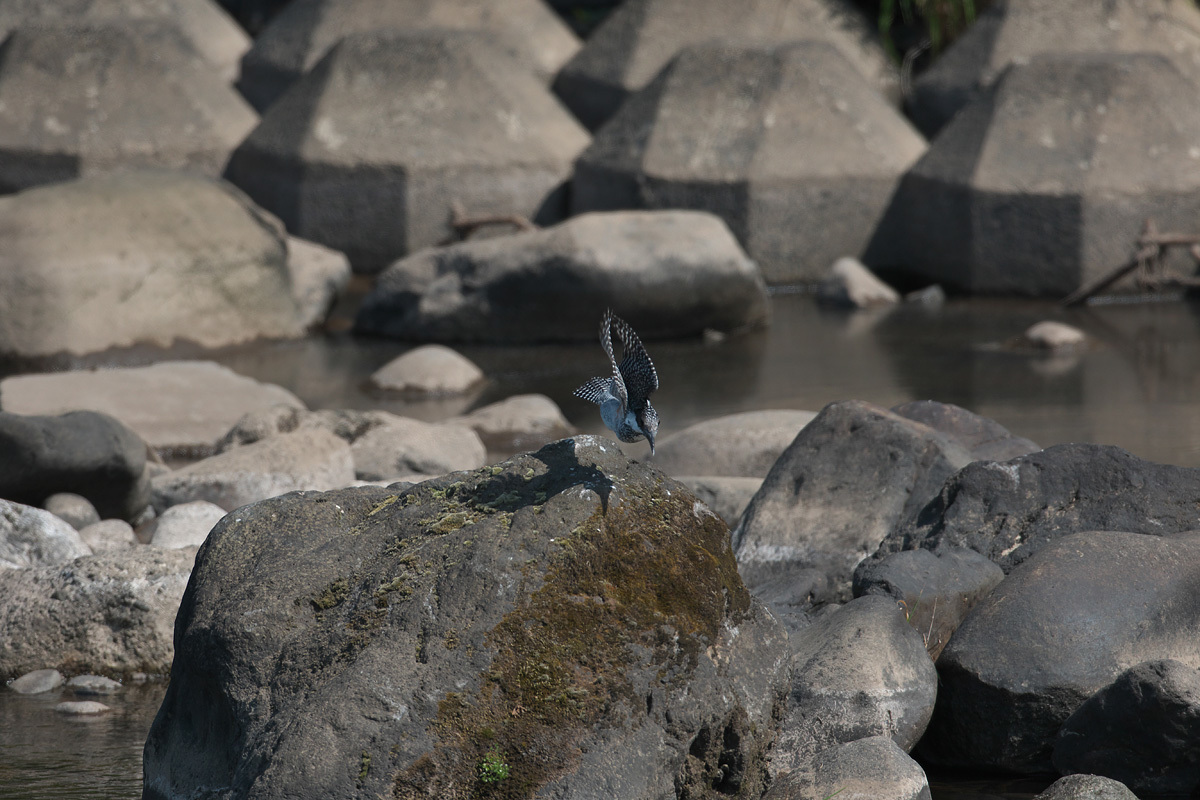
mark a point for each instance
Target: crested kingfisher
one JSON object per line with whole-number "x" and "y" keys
{"x": 624, "y": 397}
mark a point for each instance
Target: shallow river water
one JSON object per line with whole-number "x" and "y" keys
{"x": 1135, "y": 387}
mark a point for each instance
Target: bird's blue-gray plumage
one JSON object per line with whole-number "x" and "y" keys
{"x": 624, "y": 397}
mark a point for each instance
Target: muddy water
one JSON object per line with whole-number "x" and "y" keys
{"x": 1135, "y": 387}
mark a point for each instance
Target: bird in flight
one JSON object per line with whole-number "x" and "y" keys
{"x": 624, "y": 397}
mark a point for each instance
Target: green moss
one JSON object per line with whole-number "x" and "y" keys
{"x": 365, "y": 766}
{"x": 332, "y": 595}
{"x": 647, "y": 577}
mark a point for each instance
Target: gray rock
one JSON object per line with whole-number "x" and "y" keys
{"x": 304, "y": 31}
{"x": 306, "y": 459}
{"x": 346, "y": 424}
{"x": 319, "y": 276}
{"x": 1009, "y": 510}
{"x": 789, "y": 145}
{"x": 998, "y": 207}
{"x": 932, "y": 296}
{"x": 743, "y": 445}
{"x": 935, "y": 590}
{"x": 639, "y": 37}
{"x": 93, "y": 684}
{"x": 86, "y": 454}
{"x": 985, "y": 439}
{"x": 407, "y": 446}
{"x": 31, "y": 537}
{"x": 1015, "y": 31}
{"x": 109, "y": 535}
{"x": 465, "y": 124}
{"x": 850, "y": 284}
{"x": 538, "y": 609}
{"x": 841, "y": 486}
{"x": 1062, "y": 625}
{"x": 726, "y": 496}
{"x": 859, "y": 671}
{"x": 1051, "y": 335}
{"x": 428, "y": 369}
{"x": 1139, "y": 729}
{"x": 874, "y": 767}
{"x": 670, "y": 273}
{"x": 179, "y": 407}
{"x": 73, "y": 509}
{"x": 521, "y": 422}
{"x": 109, "y": 614}
{"x": 219, "y": 40}
{"x": 81, "y": 707}
{"x": 184, "y": 525}
{"x": 139, "y": 258}
{"x": 38, "y": 681}
{"x": 133, "y": 94}
{"x": 1086, "y": 787}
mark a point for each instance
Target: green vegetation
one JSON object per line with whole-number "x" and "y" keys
{"x": 942, "y": 20}
{"x": 492, "y": 769}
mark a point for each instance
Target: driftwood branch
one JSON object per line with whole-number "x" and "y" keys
{"x": 1148, "y": 260}
{"x": 464, "y": 225}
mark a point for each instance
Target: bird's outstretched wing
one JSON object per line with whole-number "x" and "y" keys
{"x": 606, "y": 326}
{"x": 596, "y": 390}
{"x": 636, "y": 369}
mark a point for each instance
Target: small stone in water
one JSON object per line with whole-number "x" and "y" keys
{"x": 93, "y": 684}
{"x": 38, "y": 681}
{"x": 81, "y": 707}
{"x": 1057, "y": 336}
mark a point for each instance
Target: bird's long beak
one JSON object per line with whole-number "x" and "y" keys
{"x": 651, "y": 440}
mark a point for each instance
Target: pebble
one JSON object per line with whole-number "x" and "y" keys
{"x": 38, "y": 681}
{"x": 93, "y": 684}
{"x": 76, "y": 510}
{"x": 81, "y": 707}
{"x": 1049, "y": 335}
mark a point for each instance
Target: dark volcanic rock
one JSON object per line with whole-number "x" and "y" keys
{"x": 1062, "y": 625}
{"x": 845, "y": 481}
{"x": 569, "y": 613}
{"x": 986, "y": 439}
{"x": 1141, "y": 729}
{"x": 82, "y": 452}
{"x": 1086, "y": 787}
{"x": 858, "y": 671}
{"x": 1008, "y": 510}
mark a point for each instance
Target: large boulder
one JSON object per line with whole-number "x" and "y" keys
{"x": 370, "y": 152}
{"x": 1015, "y": 31}
{"x": 85, "y": 453}
{"x": 180, "y": 408}
{"x": 110, "y": 614}
{"x": 520, "y": 422}
{"x": 31, "y": 537}
{"x": 671, "y": 273}
{"x": 142, "y": 258}
{"x": 873, "y": 767}
{"x": 1086, "y": 787}
{"x": 858, "y": 671}
{"x": 788, "y": 144}
{"x": 1043, "y": 184}
{"x": 305, "y": 30}
{"x": 569, "y": 619}
{"x": 637, "y": 39}
{"x": 131, "y": 95}
{"x": 840, "y": 487}
{"x": 1063, "y": 625}
{"x": 743, "y": 445}
{"x": 1008, "y": 510}
{"x": 306, "y": 459}
{"x": 219, "y": 40}
{"x": 1141, "y": 729}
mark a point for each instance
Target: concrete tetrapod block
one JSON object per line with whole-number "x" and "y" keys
{"x": 1015, "y": 31}
{"x": 639, "y": 37}
{"x": 203, "y": 23}
{"x": 1043, "y": 184}
{"x": 303, "y": 32}
{"x": 130, "y": 95}
{"x": 369, "y": 152}
{"x": 788, "y": 144}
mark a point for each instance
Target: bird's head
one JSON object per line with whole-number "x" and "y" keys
{"x": 648, "y": 421}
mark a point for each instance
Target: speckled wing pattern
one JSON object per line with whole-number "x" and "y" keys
{"x": 596, "y": 390}
{"x": 636, "y": 369}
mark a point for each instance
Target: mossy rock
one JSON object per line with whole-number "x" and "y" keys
{"x": 566, "y": 623}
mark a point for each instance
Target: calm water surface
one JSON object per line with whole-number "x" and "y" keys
{"x": 1136, "y": 388}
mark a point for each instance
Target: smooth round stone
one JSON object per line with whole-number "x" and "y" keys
{"x": 1049, "y": 335}
{"x": 108, "y": 535}
{"x": 38, "y": 681}
{"x": 81, "y": 707}
{"x": 93, "y": 684}
{"x": 429, "y": 369}
{"x": 76, "y": 510}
